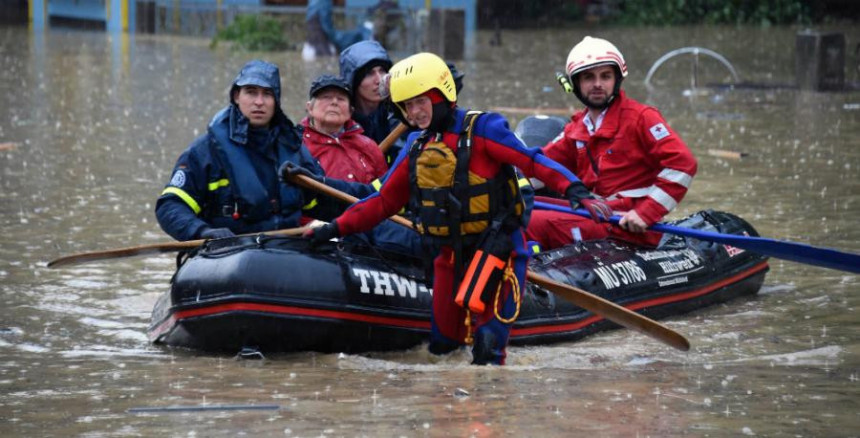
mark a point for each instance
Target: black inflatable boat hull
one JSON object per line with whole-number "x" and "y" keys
{"x": 276, "y": 295}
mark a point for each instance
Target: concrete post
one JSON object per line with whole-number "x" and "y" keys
{"x": 820, "y": 61}
{"x": 445, "y": 33}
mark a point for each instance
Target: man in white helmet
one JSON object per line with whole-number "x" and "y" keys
{"x": 622, "y": 150}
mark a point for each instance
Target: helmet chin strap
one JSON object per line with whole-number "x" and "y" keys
{"x": 443, "y": 116}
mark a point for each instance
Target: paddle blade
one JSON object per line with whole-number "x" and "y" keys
{"x": 781, "y": 249}
{"x": 77, "y": 259}
{"x": 613, "y": 312}
{"x": 155, "y": 248}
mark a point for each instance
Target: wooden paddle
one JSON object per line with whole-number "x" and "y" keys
{"x": 156, "y": 248}
{"x": 611, "y": 311}
{"x": 588, "y": 301}
{"x": 392, "y": 137}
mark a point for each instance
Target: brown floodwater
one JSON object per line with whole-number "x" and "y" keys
{"x": 90, "y": 127}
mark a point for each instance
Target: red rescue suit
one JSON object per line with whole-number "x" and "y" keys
{"x": 634, "y": 160}
{"x": 493, "y": 145}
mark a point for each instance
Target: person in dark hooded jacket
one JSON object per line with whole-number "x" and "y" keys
{"x": 363, "y": 66}
{"x": 226, "y": 181}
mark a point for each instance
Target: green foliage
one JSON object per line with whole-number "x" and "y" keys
{"x": 253, "y": 33}
{"x": 681, "y": 12}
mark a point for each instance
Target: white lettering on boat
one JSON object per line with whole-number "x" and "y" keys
{"x": 610, "y": 281}
{"x": 386, "y": 283}
{"x": 665, "y": 254}
{"x": 673, "y": 266}
{"x": 689, "y": 260}
{"x": 671, "y": 281}
{"x": 616, "y": 274}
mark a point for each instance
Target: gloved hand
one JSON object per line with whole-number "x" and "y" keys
{"x": 578, "y": 195}
{"x": 215, "y": 233}
{"x": 322, "y": 234}
{"x": 289, "y": 169}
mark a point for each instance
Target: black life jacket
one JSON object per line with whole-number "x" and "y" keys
{"x": 446, "y": 196}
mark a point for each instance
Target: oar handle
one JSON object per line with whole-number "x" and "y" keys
{"x": 319, "y": 187}
{"x": 392, "y": 137}
{"x": 782, "y": 249}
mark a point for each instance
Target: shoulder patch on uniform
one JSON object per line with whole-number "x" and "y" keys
{"x": 178, "y": 179}
{"x": 659, "y": 131}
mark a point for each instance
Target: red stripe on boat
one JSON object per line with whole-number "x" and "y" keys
{"x": 425, "y": 325}
{"x": 540, "y": 330}
{"x": 284, "y": 310}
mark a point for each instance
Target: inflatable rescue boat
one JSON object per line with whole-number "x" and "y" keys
{"x": 275, "y": 294}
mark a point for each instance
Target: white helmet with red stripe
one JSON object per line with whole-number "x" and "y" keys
{"x": 594, "y": 52}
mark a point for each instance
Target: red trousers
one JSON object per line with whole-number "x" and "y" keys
{"x": 449, "y": 319}
{"x": 553, "y": 229}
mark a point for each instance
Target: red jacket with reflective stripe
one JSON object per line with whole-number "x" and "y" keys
{"x": 352, "y": 156}
{"x": 634, "y": 154}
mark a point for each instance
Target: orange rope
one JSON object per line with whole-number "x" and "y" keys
{"x": 515, "y": 289}
{"x": 469, "y": 339}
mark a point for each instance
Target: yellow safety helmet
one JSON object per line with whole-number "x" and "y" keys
{"x": 418, "y": 74}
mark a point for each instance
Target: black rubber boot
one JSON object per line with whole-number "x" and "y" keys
{"x": 440, "y": 347}
{"x": 484, "y": 351}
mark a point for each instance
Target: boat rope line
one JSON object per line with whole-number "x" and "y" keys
{"x": 530, "y": 331}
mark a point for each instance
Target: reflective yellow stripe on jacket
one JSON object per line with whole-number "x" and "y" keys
{"x": 184, "y": 196}
{"x": 223, "y": 182}
{"x": 310, "y": 205}
{"x": 195, "y": 207}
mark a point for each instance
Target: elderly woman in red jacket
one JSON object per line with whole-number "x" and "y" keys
{"x": 335, "y": 139}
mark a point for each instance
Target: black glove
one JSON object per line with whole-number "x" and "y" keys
{"x": 215, "y": 233}
{"x": 322, "y": 234}
{"x": 290, "y": 169}
{"x": 578, "y": 195}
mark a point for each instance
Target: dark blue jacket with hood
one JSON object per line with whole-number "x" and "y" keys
{"x": 228, "y": 177}
{"x": 355, "y": 62}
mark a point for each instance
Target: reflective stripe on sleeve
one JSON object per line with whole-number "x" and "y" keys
{"x": 184, "y": 196}
{"x": 633, "y": 193}
{"x": 663, "y": 198}
{"x": 676, "y": 176}
{"x": 310, "y": 205}
{"x": 224, "y": 182}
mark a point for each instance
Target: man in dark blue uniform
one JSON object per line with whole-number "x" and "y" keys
{"x": 226, "y": 182}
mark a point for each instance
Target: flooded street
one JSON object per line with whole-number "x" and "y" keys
{"x": 91, "y": 125}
